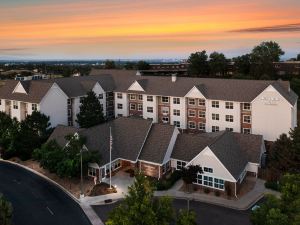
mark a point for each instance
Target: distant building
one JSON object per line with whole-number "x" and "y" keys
{"x": 287, "y": 68}
{"x": 165, "y": 69}
{"x": 32, "y": 77}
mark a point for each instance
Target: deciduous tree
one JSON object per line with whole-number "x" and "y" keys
{"x": 186, "y": 217}
{"x": 198, "y": 64}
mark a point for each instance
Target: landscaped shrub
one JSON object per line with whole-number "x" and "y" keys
{"x": 274, "y": 185}
{"x": 206, "y": 190}
{"x": 167, "y": 183}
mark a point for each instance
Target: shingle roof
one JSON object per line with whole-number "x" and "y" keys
{"x": 157, "y": 143}
{"x": 35, "y": 91}
{"x": 234, "y": 150}
{"x": 219, "y": 89}
{"x": 60, "y": 132}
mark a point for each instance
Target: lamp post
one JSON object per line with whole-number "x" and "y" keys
{"x": 83, "y": 149}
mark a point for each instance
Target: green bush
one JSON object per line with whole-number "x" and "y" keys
{"x": 206, "y": 190}
{"x": 274, "y": 185}
{"x": 217, "y": 193}
{"x": 165, "y": 184}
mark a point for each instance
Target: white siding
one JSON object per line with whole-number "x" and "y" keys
{"x": 54, "y": 104}
{"x": 99, "y": 90}
{"x": 182, "y": 108}
{"x": 171, "y": 145}
{"x": 271, "y": 114}
{"x": 153, "y": 104}
{"x": 124, "y": 101}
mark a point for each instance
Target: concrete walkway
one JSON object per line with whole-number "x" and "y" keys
{"x": 243, "y": 203}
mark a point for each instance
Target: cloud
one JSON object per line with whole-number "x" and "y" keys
{"x": 277, "y": 28}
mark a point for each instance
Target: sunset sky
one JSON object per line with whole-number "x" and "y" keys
{"x": 132, "y": 29}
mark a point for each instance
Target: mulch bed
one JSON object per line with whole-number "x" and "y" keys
{"x": 102, "y": 189}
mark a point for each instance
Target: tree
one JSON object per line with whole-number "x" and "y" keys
{"x": 6, "y": 124}
{"x": 189, "y": 174}
{"x": 91, "y": 113}
{"x": 262, "y": 58}
{"x": 242, "y": 64}
{"x": 186, "y": 217}
{"x": 109, "y": 64}
{"x": 6, "y": 211}
{"x": 139, "y": 206}
{"x": 217, "y": 64}
{"x": 129, "y": 65}
{"x": 34, "y": 131}
{"x": 198, "y": 65}
{"x": 298, "y": 57}
{"x": 143, "y": 65}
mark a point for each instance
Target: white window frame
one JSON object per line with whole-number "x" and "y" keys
{"x": 119, "y": 95}
{"x": 229, "y": 129}
{"x": 69, "y": 101}
{"x": 165, "y": 99}
{"x": 92, "y": 172}
{"x": 247, "y": 108}
{"x": 201, "y": 126}
{"x": 176, "y": 123}
{"x": 244, "y": 129}
{"x": 165, "y": 119}
{"x": 176, "y": 112}
{"x": 215, "y": 129}
{"x": 15, "y": 105}
{"x": 229, "y": 118}
{"x": 176, "y": 101}
{"x": 120, "y": 106}
{"x": 229, "y": 105}
{"x": 247, "y": 122}
{"x": 201, "y": 102}
{"x": 215, "y": 116}
{"x": 165, "y": 110}
{"x": 100, "y": 96}
{"x": 132, "y": 104}
{"x": 180, "y": 164}
{"x": 191, "y": 111}
{"x": 150, "y": 109}
{"x": 132, "y": 97}
{"x": 149, "y": 98}
{"x": 201, "y": 114}
{"x": 192, "y": 100}
{"x": 192, "y": 122}
{"x": 215, "y": 104}
{"x": 140, "y": 97}
{"x": 34, "y": 107}
{"x": 140, "y": 107}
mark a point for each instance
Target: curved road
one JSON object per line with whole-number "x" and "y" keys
{"x": 36, "y": 201}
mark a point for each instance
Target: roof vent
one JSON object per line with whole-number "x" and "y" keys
{"x": 174, "y": 77}
{"x": 138, "y": 73}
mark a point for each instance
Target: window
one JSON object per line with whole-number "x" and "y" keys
{"x": 202, "y": 126}
{"x": 208, "y": 181}
{"x": 215, "y": 129}
{"x": 92, "y": 172}
{"x": 150, "y": 98}
{"x": 246, "y": 131}
{"x": 180, "y": 165}
{"x": 132, "y": 97}
{"x": 69, "y": 101}
{"x": 70, "y": 123}
{"x": 192, "y": 113}
{"x": 177, "y": 123}
{"x": 150, "y": 109}
{"x": 218, "y": 183}
{"x": 215, "y": 116}
{"x": 165, "y": 119}
{"x": 34, "y": 107}
{"x": 199, "y": 179}
{"x": 140, "y": 97}
{"x": 208, "y": 170}
{"x": 229, "y": 105}
{"x": 100, "y": 96}
{"x": 246, "y": 118}
{"x": 176, "y": 101}
{"x": 116, "y": 164}
{"x": 229, "y": 129}
{"x": 140, "y": 107}
{"x": 120, "y": 106}
{"x": 176, "y": 112}
{"x": 119, "y": 95}
{"x": 165, "y": 110}
{"x": 246, "y": 106}
{"x": 165, "y": 99}
{"x": 191, "y": 101}
{"x": 215, "y": 104}
{"x": 229, "y": 118}
{"x": 201, "y": 102}
{"x": 192, "y": 125}
{"x": 120, "y": 115}
{"x": 201, "y": 114}
{"x": 81, "y": 99}
{"x": 132, "y": 106}
{"x": 69, "y": 112}
{"x": 15, "y": 105}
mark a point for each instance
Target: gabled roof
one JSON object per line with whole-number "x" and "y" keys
{"x": 157, "y": 143}
{"x": 234, "y": 150}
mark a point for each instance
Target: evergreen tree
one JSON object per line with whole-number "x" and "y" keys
{"x": 186, "y": 217}
{"x": 217, "y": 64}
{"x": 198, "y": 64}
{"x": 143, "y": 65}
{"x": 91, "y": 113}
{"x": 6, "y": 211}
{"x": 139, "y": 206}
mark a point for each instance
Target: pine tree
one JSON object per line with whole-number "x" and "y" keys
{"x": 6, "y": 211}
{"x": 91, "y": 113}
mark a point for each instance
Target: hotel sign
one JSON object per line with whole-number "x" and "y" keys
{"x": 270, "y": 100}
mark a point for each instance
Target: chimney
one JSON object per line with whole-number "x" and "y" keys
{"x": 138, "y": 73}
{"x": 174, "y": 77}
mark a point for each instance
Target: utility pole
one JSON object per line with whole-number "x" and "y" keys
{"x": 110, "y": 148}
{"x": 84, "y": 148}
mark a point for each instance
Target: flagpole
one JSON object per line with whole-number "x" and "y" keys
{"x": 110, "y": 147}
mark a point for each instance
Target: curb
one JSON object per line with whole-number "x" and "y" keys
{"x": 59, "y": 186}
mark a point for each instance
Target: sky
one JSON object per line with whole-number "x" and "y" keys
{"x": 137, "y": 29}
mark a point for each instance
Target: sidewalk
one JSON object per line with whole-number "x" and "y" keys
{"x": 243, "y": 203}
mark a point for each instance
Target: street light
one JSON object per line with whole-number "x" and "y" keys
{"x": 83, "y": 149}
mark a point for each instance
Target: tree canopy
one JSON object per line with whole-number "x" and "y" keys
{"x": 143, "y": 65}
{"x": 109, "y": 64}
{"x": 6, "y": 211}
{"x": 217, "y": 64}
{"x": 186, "y": 217}
{"x": 198, "y": 64}
{"x": 91, "y": 113}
